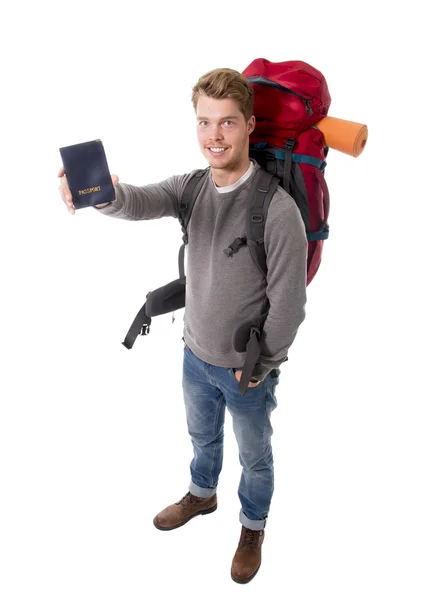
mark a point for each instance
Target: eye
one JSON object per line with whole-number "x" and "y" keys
{"x": 230, "y": 122}
{"x": 201, "y": 122}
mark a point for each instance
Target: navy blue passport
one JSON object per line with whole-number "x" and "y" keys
{"x": 87, "y": 173}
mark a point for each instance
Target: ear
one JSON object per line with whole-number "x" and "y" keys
{"x": 251, "y": 124}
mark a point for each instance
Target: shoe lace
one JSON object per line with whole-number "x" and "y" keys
{"x": 187, "y": 499}
{"x": 250, "y": 539}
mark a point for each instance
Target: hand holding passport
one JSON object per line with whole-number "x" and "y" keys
{"x": 88, "y": 181}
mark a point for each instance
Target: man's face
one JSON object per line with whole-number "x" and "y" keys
{"x": 220, "y": 124}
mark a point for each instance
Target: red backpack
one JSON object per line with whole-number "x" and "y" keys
{"x": 289, "y": 99}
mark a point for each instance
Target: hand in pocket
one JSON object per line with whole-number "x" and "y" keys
{"x": 238, "y": 375}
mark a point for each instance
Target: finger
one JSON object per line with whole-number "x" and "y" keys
{"x": 68, "y": 200}
{"x": 66, "y": 194}
{"x": 64, "y": 189}
{"x": 67, "y": 197}
{"x": 115, "y": 179}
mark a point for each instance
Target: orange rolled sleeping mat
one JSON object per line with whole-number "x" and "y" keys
{"x": 346, "y": 136}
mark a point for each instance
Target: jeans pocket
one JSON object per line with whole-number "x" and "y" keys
{"x": 250, "y": 387}
{"x": 232, "y": 372}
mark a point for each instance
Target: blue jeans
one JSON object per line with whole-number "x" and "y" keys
{"x": 207, "y": 391}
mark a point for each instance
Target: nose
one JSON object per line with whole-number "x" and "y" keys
{"x": 215, "y": 133}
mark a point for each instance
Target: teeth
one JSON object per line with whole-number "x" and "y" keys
{"x": 217, "y": 149}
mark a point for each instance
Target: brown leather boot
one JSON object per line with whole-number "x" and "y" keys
{"x": 248, "y": 556}
{"x": 183, "y": 511}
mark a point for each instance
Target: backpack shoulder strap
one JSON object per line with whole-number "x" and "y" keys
{"x": 189, "y": 196}
{"x": 264, "y": 188}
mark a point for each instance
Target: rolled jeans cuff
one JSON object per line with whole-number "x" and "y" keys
{"x": 201, "y": 492}
{"x": 250, "y": 524}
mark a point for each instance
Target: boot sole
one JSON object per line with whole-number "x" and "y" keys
{"x": 245, "y": 580}
{"x": 207, "y": 511}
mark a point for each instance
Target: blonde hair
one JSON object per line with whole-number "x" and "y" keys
{"x": 226, "y": 83}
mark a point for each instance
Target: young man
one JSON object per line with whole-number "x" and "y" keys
{"x": 222, "y": 293}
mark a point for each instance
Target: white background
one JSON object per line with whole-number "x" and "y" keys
{"x": 93, "y": 439}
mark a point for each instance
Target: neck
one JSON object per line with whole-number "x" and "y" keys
{"x": 224, "y": 177}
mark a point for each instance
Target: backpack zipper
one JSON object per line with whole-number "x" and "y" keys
{"x": 267, "y": 82}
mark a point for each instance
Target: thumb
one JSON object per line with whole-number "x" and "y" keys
{"x": 115, "y": 179}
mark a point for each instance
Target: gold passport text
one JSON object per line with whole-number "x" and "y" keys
{"x": 89, "y": 190}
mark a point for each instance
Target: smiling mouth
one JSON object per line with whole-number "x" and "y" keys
{"x": 216, "y": 150}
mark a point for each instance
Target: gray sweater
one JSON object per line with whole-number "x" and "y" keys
{"x": 222, "y": 293}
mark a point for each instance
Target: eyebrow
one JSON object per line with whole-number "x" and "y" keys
{"x": 222, "y": 119}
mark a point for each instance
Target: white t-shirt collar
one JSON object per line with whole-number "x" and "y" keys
{"x": 233, "y": 186}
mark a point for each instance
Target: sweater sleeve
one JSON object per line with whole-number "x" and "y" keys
{"x": 286, "y": 251}
{"x": 147, "y": 202}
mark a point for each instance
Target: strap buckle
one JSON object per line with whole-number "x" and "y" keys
{"x": 235, "y": 245}
{"x": 257, "y": 218}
